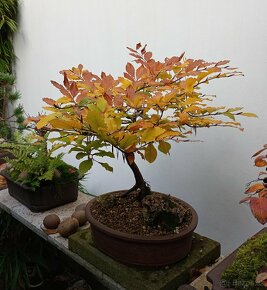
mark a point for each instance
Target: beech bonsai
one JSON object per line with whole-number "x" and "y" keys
{"x": 153, "y": 103}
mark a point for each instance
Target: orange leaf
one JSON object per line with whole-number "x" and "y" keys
{"x": 140, "y": 72}
{"x": 73, "y": 89}
{"x": 61, "y": 88}
{"x": 49, "y": 101}
{"x": 260, "y": 162}
{"x": 254, "y": 188}
{"x": 130, "y": 69}
{"x": 258, "y": 206}
{"x": 148, "y": 56}
{"x": 66, "y": 81}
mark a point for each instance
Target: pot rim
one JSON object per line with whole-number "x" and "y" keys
{"x": 140, "y": 238}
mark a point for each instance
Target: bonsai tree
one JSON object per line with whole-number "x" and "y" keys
{"x": 152, "y": 104}
{"x": 9, "y": 119}
{"x": 257, "y": 189}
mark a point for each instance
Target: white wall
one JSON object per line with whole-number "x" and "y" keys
{"x": 210, "y": 175}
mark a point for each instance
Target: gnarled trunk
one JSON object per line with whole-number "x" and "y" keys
{"x": 140, "y": 183}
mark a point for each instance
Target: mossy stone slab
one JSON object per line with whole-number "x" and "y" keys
{"x": 204, "y": 251}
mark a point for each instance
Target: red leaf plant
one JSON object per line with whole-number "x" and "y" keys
{"x": 257, "y": 189}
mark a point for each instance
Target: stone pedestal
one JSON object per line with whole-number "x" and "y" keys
{"x": 204, "y": 252}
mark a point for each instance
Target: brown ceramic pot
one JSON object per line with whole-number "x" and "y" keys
{"x": 142, "y": 250}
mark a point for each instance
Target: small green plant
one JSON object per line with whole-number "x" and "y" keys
{"x": 248, "y": 270}
{"x": 33, "y": 164}
{"x": 8, "y": 97}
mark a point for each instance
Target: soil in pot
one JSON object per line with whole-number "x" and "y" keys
{"x": 154, "y": 232}
{"x": 127, "y": 214}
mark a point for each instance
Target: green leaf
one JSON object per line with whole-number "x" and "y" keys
{"x": 101, "y": 104}
{"x": 103, "y": 153}
{"x": 86, "y": 165}
{"x": 84, "y": 102}
{"x": 229, "y": 115}
{"x": 150, "y": 153}
{"x": 106, "y": 166}
{"x": 76, "y": 149}
{"x": 81, "y": 155}
{"x": 164, "y": 147}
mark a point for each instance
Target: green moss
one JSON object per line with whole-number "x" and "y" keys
{"x": 250, "y": 258}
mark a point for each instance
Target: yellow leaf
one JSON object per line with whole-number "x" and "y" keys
{"x": 190, "y": 82}
{"x": 45, "y": 120}
{"x": 164, "y": 75}
{"x": 139, "y": 124}
{"x": 150, "y": 153}
{"x": 127, "y": 141}
{"x": 168, "y": 135}
{"x": 113, "y": 124}
{"x": 52, "y": 109}
{"x": 183, "y": 117}
{"x": 138, "y": 101}
{"x": 150, "y": 134}
{"x": 65, "y": 124}
{"x": 64, "y": 100}
{"x": 125, "y": 83}
{"x": 248, "y": 115}
{"x": 95, "y": 120}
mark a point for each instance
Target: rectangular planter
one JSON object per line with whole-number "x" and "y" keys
{"x": 45, "y": 197}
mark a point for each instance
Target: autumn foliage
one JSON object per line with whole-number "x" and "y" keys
{"x": 152, "y": 104}
{"x": 257, "y": 189}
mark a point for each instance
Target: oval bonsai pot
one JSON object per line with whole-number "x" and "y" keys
{"x": 138, "y": 250}
{"x": 47, "y": 196}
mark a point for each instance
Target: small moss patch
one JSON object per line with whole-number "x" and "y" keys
{"x": 250, "y": 258}
{"x": 204, "y": 251}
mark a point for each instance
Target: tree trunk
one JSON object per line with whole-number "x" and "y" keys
{"x": 140, "y": 183}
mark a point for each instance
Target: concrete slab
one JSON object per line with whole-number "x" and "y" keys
{"x": 204, "y": 251}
